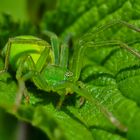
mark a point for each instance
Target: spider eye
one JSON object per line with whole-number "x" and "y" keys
{"x": 68, "y": 74}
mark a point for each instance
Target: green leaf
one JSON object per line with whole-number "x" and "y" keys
{"x": 110, "y": 73}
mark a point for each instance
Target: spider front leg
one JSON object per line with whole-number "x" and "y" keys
{"x": 78, "y": 56}
{"x": 76, "y": 69}
{"x": 84, "y": 93}
{"x": 81, "y": 46}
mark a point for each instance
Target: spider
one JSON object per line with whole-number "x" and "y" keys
{"x": 46, "y": 65}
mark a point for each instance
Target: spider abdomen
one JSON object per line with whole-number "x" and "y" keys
{"x": 24, "y": 46}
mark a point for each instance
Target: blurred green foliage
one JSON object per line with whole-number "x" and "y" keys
{"x": 16, "y": 8}
{"x": 110, "y": 73}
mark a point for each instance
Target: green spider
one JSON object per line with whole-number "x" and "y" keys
{"x": 47, "y": 67}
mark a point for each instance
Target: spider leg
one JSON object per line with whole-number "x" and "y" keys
{"x": 32, "y": 70}
{"x": 109, "y": 25}
{"x": 55, "y": 44}
{"x": 60, "y": 50}
{"x": 62, "y": 94}
{"x": 6, "y": 63}
{"x": 81, "y": 46}
{"x": 64, "y": 55}
{"x": 42, "y": 59}
{"x": 111, "y": 43}
{"x": 22, "y": 78}
{"x": 84, "y": 93}
{"x": 78, "y": 57}
{"x": 61, "y": 100}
